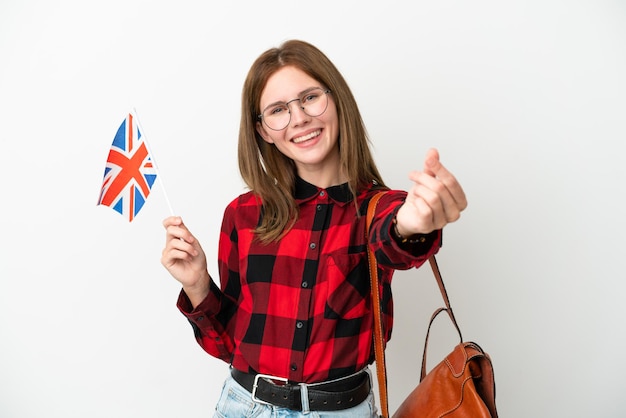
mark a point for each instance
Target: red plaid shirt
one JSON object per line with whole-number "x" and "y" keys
{"x": 300, "y": 308}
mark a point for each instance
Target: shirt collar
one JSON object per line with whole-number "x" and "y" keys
{"x": 306, "y": 191}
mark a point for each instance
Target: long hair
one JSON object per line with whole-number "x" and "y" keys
{"x": 270, "y": 174}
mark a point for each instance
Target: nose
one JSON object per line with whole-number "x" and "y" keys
{"x": 297, "y": 113}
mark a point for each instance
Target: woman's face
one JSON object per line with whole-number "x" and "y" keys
{"x": 310, "y": 141}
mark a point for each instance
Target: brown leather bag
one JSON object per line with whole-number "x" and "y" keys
{"x": 461, "y": 386}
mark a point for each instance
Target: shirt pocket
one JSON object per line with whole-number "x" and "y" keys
{"x": 348, "y": 286}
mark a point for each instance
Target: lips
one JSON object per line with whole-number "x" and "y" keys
{"x": 307, "y": 137}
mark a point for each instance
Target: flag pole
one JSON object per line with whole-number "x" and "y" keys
{"x": 154, "y": 164}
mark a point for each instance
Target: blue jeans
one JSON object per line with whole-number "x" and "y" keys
{"x": 236, "y": 402}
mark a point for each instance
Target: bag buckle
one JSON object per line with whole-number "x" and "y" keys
{"x": 255, "y": 385}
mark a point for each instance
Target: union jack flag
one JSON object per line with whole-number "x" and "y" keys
{"x": 129, "y": 172}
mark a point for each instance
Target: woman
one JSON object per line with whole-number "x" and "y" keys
{"x": 292, "y": 314}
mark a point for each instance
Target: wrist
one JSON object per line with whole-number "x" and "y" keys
{"x": 404, "y": 239}
{"x": 198, "y": 291}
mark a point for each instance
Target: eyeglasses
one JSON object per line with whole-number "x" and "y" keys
{"x": 313, "y": 102}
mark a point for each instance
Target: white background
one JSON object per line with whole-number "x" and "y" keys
{"x": 524, "y": 99}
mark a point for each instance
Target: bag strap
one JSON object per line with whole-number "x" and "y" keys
{"x": 442, "y": 288}
{"x": 379, "y": 342}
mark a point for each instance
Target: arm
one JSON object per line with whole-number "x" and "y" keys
{"x": 391, "y": 249}
{"x": 410, "y": 223}
{"x": 200, "y": 300}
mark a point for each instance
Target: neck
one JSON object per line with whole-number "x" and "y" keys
{"x": 323, "y": 178}
{"x": 323, "y": 174}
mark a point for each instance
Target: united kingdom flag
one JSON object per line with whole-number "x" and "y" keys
{"x": 129, "y": 173}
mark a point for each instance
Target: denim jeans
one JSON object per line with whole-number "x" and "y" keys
{"x": 236, "y": 402}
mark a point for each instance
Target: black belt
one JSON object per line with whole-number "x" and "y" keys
{"x": 325, "y": 396}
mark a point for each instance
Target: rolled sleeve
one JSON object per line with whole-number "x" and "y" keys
{"x": 208, "y": 330}
{"x": 389, "y": 250}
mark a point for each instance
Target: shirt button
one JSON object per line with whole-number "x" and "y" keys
{"x": 299, "y": 324}
{"x": 312, "y": 245}
{"x": 305, "y": 284}
{"x": 319, "y": 207}
{"x": 294, "y": 367}
{"x": 200, "y": 318}
{"x": 322, "y": 193}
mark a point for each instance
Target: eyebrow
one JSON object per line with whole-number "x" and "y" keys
{"x": 302, "y": 93}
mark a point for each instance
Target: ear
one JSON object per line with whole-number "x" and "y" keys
{"x": 261, "y": 130}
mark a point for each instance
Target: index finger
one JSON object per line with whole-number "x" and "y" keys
{"x": 172, "y": 220}
{"x": 175, "y": 227}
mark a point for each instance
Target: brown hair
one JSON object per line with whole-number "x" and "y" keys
{"x": 270, "y": 174}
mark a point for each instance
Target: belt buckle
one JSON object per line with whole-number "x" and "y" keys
{"x": 255, "y": 385}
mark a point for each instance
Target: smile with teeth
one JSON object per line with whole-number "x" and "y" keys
{"x": 304, "y": 138}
